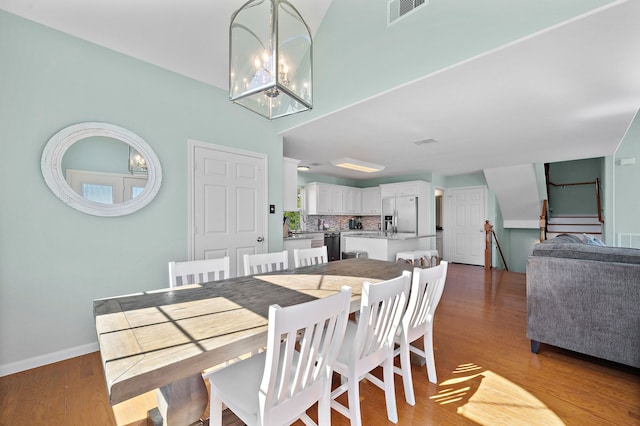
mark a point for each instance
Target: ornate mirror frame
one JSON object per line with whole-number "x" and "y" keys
{"x": 57, "y": 146}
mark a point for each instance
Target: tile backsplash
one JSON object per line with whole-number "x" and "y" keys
{"x": 333, "y": 222}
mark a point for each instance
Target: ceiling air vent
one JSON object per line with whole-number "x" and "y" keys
{"x": 400, "y": 8}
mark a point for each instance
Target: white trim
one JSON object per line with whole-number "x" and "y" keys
{"x": 525, "y": 224}
{"x": 50, "y": 358}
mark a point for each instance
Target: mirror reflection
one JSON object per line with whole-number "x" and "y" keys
{"x": 105, "y": 170}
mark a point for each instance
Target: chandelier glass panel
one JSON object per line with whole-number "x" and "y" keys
{"x": 270, "y": 59}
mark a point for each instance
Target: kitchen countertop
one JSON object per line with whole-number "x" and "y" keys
{"x": 322, "y": 231}
{"x": 388, "y": 235}
{"x": 298, "y": 236}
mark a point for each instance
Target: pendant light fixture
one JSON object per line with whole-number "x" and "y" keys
{"x": 270, "y": 59}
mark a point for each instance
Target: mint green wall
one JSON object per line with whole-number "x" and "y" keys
{"x": 608, "y": 233}
{"x": 426, "y": 176}
{"x": 626, "y": 196}
{"x": 356, "y": 55}
{"x": 574, "y": 200}
{"x": 98, "y": 154}
{"x": 521, "y": 242}
{"x": 304, "y": 178}
{"x": 54, "y": 260}
{"x": 469, "y": 179}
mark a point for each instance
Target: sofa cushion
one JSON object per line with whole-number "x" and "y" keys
{"x": 580, "y": 250}
{"x": 564, "y": 238}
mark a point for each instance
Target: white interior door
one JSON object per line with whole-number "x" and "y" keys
{"x": 464, "y": 215}
{"x": 228, "y": 203}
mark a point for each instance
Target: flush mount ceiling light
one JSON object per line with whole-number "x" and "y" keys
{"x": 303, "y": 168}
{"x": 361, "y": 166}
{"x": 270, "y": 59}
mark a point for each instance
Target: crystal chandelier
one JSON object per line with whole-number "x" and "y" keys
{"x": 270, "y": 59}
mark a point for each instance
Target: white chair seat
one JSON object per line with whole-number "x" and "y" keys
{"x": 236, "y": 380}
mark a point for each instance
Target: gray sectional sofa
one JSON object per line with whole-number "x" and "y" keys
{"x": 585, "y": 298}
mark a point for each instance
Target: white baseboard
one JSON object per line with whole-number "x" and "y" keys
{"x": 39, "y": 361}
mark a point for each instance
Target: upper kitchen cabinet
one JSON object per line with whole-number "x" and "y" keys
{"x": 371, "y": 201}
{"x": 290, "y": 184}
{"x": 324, "y": 198}
{"x": 351, "y": 200}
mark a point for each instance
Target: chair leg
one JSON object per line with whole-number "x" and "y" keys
{"x": 389, "y": 389}
{"x": 428, "y": 353}
{"x": 324, "y": 408}
{"x": 354, "y": 402}
{"x": 215, "y": 410}
{"x": 407, "y": 380}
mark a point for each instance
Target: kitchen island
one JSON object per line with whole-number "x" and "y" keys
{"x": 385, "y": 245}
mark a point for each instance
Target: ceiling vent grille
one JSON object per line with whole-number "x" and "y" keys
{"x": 400, "y": 8}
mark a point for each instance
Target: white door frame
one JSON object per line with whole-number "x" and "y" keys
{"x": 192, "y": 144}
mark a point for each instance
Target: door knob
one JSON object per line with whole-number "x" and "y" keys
{"x": 260, "y": 239}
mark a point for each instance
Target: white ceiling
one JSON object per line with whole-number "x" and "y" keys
{"x": 190, "y": 37}
{"x": 566, "y": 93}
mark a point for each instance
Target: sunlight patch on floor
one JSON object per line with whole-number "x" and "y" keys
{"x": 488, "y": 399}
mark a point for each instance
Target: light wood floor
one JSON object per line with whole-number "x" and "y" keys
{"x": 486, "y": 374}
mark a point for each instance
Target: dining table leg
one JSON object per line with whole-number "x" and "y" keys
{"x": 180, "y": 403}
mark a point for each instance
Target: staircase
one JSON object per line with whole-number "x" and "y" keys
{"x": 576, "y": 225}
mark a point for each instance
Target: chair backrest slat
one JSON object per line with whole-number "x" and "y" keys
{"x": 265, "y": 262}
{"x": 382, "y": 308}
{"x": 310, "y": 256}
{"x": 303, "y": 342}
{"x": 198, "y": 271}
{"x": 426, "y": 290}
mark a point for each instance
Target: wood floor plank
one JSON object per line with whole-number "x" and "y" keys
{"x": 486, "y": 374}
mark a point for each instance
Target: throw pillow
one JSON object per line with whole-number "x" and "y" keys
{"x": 594, "y": 241}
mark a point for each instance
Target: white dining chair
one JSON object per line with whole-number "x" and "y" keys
{"x": 279, "y": 385}
{"x": 426, "y": 290}
{"x": 369, "y": 343}
{"x": 198, "y": 271}
{"x": 265, "y": 262}
{"x": 310, "y": 256}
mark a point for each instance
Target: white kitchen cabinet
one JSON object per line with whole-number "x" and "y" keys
{"x": 289, "y": 184}
{"x": 416, "y": 188}
{"x": 351, "y": 200}
{"x": 324, "y": 198}
{"x": 371, "y": 201}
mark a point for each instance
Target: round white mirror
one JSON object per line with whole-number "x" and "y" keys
{"x": 101, "y": 169}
